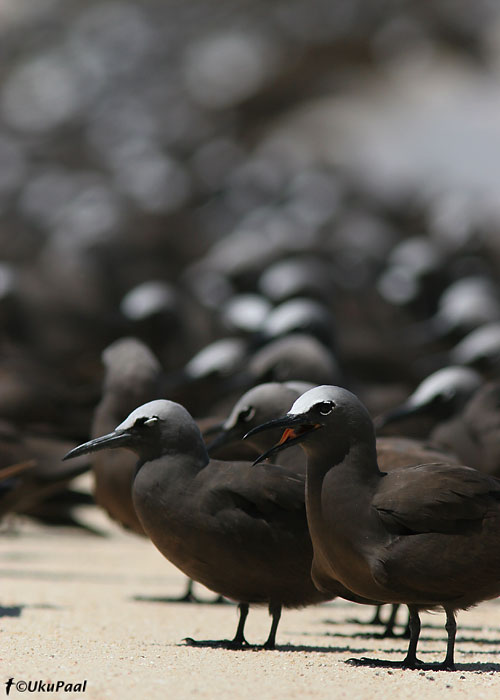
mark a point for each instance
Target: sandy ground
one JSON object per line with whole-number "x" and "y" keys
{"x": 78, "y": 607}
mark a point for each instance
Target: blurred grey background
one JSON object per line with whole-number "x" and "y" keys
{"x": 190, "y": 146}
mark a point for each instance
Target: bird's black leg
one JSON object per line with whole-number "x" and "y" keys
{"x": 451, "y": 628}
{"x": 238, "y": 642}
{"x": 275, "y": 612}
{"x": 411, "y": 660}
{"x": 188, "y": 596}
{"x": 220, "y": 600}
{"x": 391, "y": 622}
{"x": 239, "y": 638}
{"x": 376, "y": 620}
{"x": 389, "y": 627}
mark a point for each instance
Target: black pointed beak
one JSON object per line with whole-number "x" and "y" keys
{"x": 295, "y": 428}
{"x": 406, "y": 410}
{"x": 286, "y": 421}
{"x": 118, "y": 438}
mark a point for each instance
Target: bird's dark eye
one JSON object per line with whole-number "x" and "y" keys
{"x": 326, "y": 407}
{"x": 145, "y": 420}
{"x": 446, "y": 395}
{"x": 246, "y": 414}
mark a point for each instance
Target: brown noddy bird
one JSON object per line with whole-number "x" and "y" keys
{"x": 480, "y": 349}
{"x": 267, "y": 401}
{"x": 133, "y": 376}
{"x": 392, "y": 453}
{"x": 297, "y": 356}
{"x": 218, "y": 374}
{"x": 427, "y": 536}
{"x": 239, "y": 530}
{"x": 259, "y": 404}
{"x": 474, "y": 433}
{"x": 41, "y": 489}
{"x": 437, "y": 398}
{"x": 464, "y": 416}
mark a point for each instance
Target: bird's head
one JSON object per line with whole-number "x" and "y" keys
{"x": 324, "y": 420}
{"x": 154, "y": 429}
{"x": 258, "y": 405}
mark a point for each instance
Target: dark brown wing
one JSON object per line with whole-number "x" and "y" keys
{"x": 474, "y": 435}
{"x": 265, "y": 491}
{"x": 244, "y": 533}
{"x": 395, "y": 452}
{"x": 435, "y": 498}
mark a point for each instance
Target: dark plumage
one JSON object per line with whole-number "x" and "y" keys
{"x": 239, "y": 530}
{"x": 267, "y": 401}
{"x": 301, "y": 315}
{"x": 474, "y": 433}
{"x": 133, "y": 375}
{"x": 463, "y": 414}
{"x": 479, "y": 349}
{"x": 33, "y": 476}
{"x": 257, "y": 405}
{"x": 439, "y": 396}
{"x": 424, "y": 535}
{"x": 297, "y": 356}
{"x": 395, "y": 452}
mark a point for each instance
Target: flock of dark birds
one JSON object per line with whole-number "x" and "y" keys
{"x": 304, "y": 371}
{"x": 333, "y": 444}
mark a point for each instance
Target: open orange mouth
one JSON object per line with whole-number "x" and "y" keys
{"x": 290, "y": 436}
{"x": 294, "y": 433}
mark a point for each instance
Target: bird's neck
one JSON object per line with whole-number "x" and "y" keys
{"x": 173, "y": 465}
{"x": 339, "y": 513}
{"x": 351, "y": 459}
{"x": 165, "y": 496}
{"x": 163, "y": 487}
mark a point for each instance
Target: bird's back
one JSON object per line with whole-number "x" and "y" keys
{"x": 443, "y": 534}
{"x": 238, "y": 529}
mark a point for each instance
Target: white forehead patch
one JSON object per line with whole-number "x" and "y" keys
{"x": 447, "y": 380}
{"x": 482, "y": 341}
{"x": 320, "y": 393}
{"x": 221, "y": 355}
{"x": 148, "y": 410}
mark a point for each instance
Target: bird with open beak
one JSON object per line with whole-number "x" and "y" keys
{"x": 425, "y": 535}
